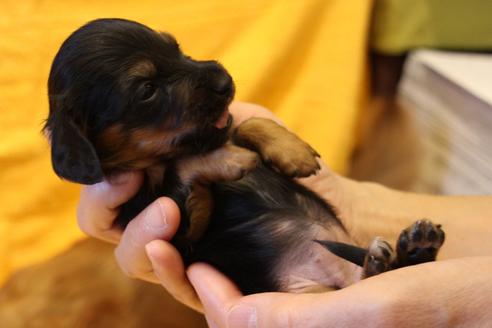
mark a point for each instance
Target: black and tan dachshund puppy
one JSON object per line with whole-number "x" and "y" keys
{"x": 124, "y": 97}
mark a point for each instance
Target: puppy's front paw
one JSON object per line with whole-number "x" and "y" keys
{"x": 419, "y": 243}
{"x": 291, "y": 156}
{"x": 379, "y": 258}
{"x": 277, "y": 146}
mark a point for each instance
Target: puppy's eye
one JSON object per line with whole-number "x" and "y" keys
{"x": 147, "y": 91}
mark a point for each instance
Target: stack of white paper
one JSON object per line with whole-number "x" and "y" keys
{"x": 449, "y": 95}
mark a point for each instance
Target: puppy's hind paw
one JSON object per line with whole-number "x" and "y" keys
{"x": 379, "y": 258}
{"x": 419, "y": 243}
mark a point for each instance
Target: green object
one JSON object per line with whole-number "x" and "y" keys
{"x": 402, "y": 25}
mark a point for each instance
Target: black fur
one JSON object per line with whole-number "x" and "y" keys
{"x": 256, "y": 222}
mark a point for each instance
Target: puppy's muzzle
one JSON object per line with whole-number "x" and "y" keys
{"x": 217, "y": 79}
{"x": 222, "y": 84}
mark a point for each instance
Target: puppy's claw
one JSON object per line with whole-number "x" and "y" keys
{"x": 314, "y": 152}
{"x": 300, "y": 165}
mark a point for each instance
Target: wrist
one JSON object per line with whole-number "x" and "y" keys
{"x": 452, "y": 293}
{"x": 374, "y": 210}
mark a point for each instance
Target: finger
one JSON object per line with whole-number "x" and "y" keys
{"x": 242, "y": 111}
{"x": 159, "y": 220}
{"x": 98, "y": 204}
{"x": 169, "y": 268}
{"x": 217, "y": 293}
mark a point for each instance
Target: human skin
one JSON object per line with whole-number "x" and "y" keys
{"x": 451, "y": 293}
{"x": 366, "y": 209}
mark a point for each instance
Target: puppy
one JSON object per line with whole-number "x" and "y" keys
{"x": 124, "y": 97}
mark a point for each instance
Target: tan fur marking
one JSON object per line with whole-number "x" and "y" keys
{"x": 144, "y": 68}
{"x": 199, "y": 205}
{"x": 155, "y": 175}
{"x": 227, "y": 163}
{"x": 136, "y": 149}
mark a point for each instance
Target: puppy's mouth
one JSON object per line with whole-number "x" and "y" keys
{"x": 223, "y": 120}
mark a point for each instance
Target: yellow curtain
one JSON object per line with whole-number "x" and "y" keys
{"x": 304, "y": 59}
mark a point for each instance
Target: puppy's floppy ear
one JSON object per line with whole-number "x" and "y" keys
{"x": 73, "y": 156}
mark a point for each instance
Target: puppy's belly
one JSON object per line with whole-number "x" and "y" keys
{"x": 314, "y": 269}
{"x": 263, "y": 231}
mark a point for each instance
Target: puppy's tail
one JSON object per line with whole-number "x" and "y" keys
{"x": 348, "y": 252}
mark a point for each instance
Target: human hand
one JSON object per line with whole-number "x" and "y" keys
{"x": 225, "y": 306}
{"x": 97, "y": 210}
{"x": 452, "y": 293}
{"x": 147, "y": 236}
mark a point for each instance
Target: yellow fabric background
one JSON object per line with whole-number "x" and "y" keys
{"x": 304, "y": 59}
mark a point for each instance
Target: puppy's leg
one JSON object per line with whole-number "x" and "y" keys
{"x": 419, "y": 243}
{"x": 278, "y": 146}
{"x": 380, "y": 257}
{"x": 199, "y": 205}
{"x": 228, "y": 163}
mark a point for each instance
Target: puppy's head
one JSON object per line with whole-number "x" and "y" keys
{"x": 123, "y": 96}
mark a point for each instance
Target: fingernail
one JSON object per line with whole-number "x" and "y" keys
{"x": 155, "y": 217}
{"x": 242, "y": 316}
{"x": 120, "y": 178}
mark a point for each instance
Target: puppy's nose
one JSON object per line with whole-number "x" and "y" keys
{"x": 222, "y": 84}
{"x": 216, "y": 78}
